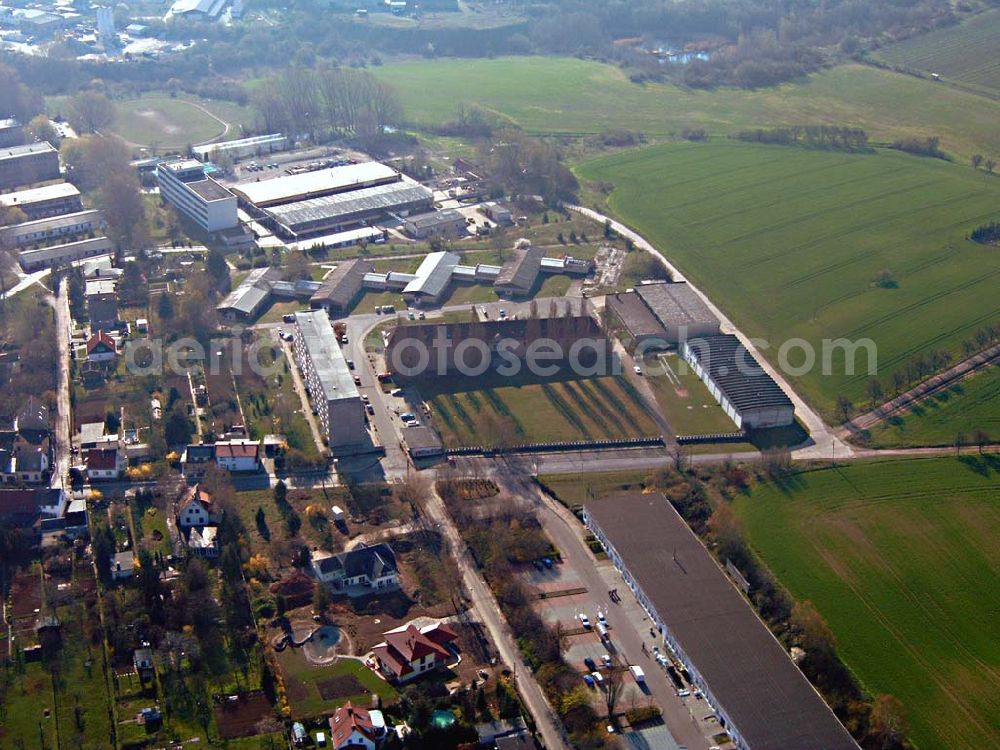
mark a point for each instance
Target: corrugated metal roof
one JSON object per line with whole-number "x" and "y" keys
{"x": 522, "y": 269}
{"x": 434, "y": 274}
{"x": 330, "y": 208}
{"x": 675, "y": 304}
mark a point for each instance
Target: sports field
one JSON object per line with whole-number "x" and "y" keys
{"x": 579, "y": 97}
{"x": 902, "y": 559}
{"x": 968, "y": 53}
{"x": 585, "y": 409}
{"x": 964, "y": 408}
{"x": 164, "y": 122}
{"x": 788, "y": 243}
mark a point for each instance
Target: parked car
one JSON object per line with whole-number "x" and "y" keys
{"x": 589, "y": 680}
{"x": 598, "y": 677}
{"x": 364, "y": 397}
{"x": 397, "y": 392}
{"x": 601, "y": 618}
{"x": 422, "y": 315}
{"x": 637, "y": 673}
{"x": 370, "y": 408}
{"x": 408, "y": 416}
{"x": 606, "y": 660}
{"x": 350, "y": 364}
{"x": 638, "y": 370}
{"x": 683, "y": 693}
{"x": 357, "y": 380}
{"x": 584, "y": 620}
{"x": 289, "y": 318}
{"x": 590, "y": 664}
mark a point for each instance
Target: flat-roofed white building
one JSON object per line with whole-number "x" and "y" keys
{"x": 184, "y": 184}
{"x": 256, "y": 145}
{"x": 62, "y": 255}
{"x": 23, "y": 165}
{"x": 42, "y": 202}
{"x": 334, "y": 395}
{"x": 322, "y": 182}
{"x": 42, "y": 230}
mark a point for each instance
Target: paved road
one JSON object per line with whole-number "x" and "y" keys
{"x": 62, "y": 427}
{"x": 489, "y": 612}
{"x": 825, "y": 443}
{"x": 628, "y": 631}
{"x": 906, "y": 401}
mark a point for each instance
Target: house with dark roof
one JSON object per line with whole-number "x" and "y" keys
{"x": 751, "y": 397}
{"x": 352, "y": 727}
{"x": 32, "y": 417}
{"x": 364, "y": 569}
{"x": 409, "y": 652}
{"x": 341, "y": 285}
{"x": 27, "y": 508}
{"x": 101, "y": 348}
{"x": 196, "y": 457}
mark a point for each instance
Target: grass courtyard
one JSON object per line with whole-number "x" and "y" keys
{"x": 313, "y": 690}
{"x": 552, "y": 410}
{"x": 902, "y": 559}
{"x": 788, "y": 243}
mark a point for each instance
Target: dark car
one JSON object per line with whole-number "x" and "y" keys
{"x": 590, "y": 664}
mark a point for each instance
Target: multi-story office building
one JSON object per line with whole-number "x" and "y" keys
{"x": 184, "y": 184}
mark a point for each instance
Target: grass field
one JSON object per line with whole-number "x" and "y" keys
{"x": 965, "y": 407}
{"x": 788, "y": 243}
{"x": 586, "y": 409}
{"x": 684, "y": 399}
{"x": 578, "y": 97}
{"x": 968, "y": 53}
{"x": 902, "y": 559}
{"x": 163, "y": 122}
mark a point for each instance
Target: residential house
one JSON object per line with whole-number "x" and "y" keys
{"x": 237, "y": 455}
{"x": 27, "y": 508}
{"x": 122, "y": 565}
{"x": 366, "y": 568}
{"x": 142, "y": 660}
{"x": 32, "y": 417}
{"x": 351, "y": 727}
{"x": 196, "y": 508}
{"x": 101, "y": 348}
{"x": 409, "y": 652}
{"x": 196, "y": 458}
{"x": 106, "y": 463}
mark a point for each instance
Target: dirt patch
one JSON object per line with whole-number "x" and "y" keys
{"x": 340, "y": 687}
{"x": 25, "y": 596}
{"x": 239, "y": 718}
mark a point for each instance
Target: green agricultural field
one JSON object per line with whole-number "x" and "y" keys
{"x": 585, "y": 409}
{"x": 579, "y": 97}
{"x": 968, "y": 53}
{"x": 788, "y": 242}
{"x": 902, "y": 559}
{"x": 968, "y": 406}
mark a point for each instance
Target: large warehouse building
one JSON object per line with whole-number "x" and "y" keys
{"x": 748, "y": 395}
{"x": 761, "y": 698}
{"x": 661, "y": 314}
{"x": 24, "y": 165}
{"x": 185, "y": 186}
{"x": 332, "y": 200}
{"x": 332, "y": 391}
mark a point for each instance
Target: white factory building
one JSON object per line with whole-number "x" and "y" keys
{"x": 202, "y": 200}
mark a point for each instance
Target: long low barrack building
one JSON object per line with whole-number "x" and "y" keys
{"x": 46, "y": 201}
{"x": 61, "y": 255}
{"x": 54, "y": 227}
{"x": 341, "y": 286}
{"x": 332, "y": 392}
{"x": 748, "y": 679}
{"x": 745, "y": 391}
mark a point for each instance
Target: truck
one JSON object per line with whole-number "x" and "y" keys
{"x": 637, "y": 673}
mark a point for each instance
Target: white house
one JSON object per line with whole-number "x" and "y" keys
{"x": 106, "y": 463}
{"x": 237, "y": 455}
{"x": 101, "y": 348}
{"x": 122, "y": 566}
{"x": 196, "y": 508}
{"x": 371, "y": 567}
{"x": 352, "y": 727}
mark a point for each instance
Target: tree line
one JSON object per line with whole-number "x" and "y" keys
{"x": 986, "y": 234}
{"x": 834, "y": 137}
{"x": 327, "y": 103}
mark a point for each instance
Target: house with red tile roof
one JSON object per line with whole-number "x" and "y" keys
{"x": 101, "y": 348}
{"x": 237, "y": 455}
{"x": 409, "y": 652}
{"x": 196, "y": 508}
{"x": 352, "y": 727}
{"x": 106, "y": 463}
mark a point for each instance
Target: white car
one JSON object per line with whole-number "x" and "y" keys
{"x": 598, "y": 678}
{"x": 684, "y": 693}
{"x": 638, "y": 370}
{"x": 601, "y": 618}
{"x": 606, "y": 660}
{"x": 584, "y": 620}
